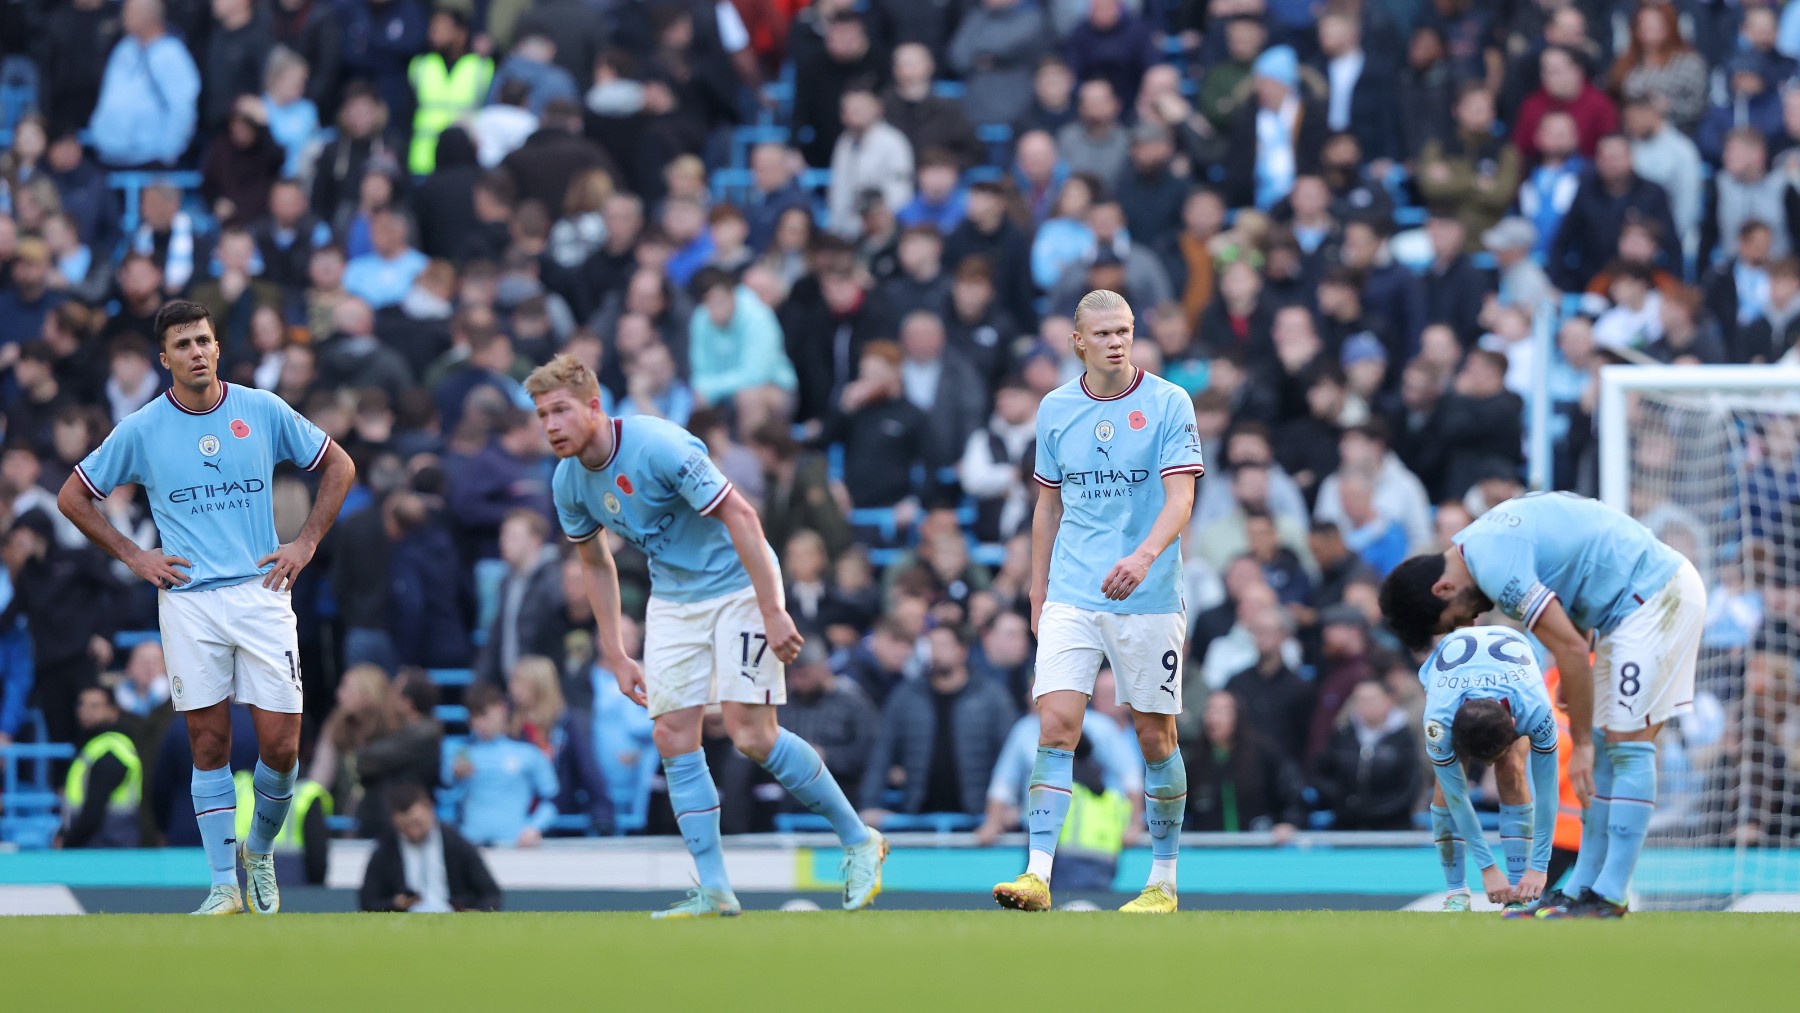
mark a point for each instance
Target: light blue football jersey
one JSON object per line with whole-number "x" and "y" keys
{"x": 207, "y": 476}
{"x": 1108, "y": 457}
{"x": 656, "y": 491}
{"x": 1600, "y": 563}
{"x": 1485, "y": 663}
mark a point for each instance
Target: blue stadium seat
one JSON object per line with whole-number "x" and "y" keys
{"x": 127, "y": 640}
{"x": 451, "y": 714}
{"x": 442, "y": 677}
{"x": 730, "y": 186}
{"x": 953, "y": 90}
{"x": 33, "y": 810}
{"x": 132, "y": 184}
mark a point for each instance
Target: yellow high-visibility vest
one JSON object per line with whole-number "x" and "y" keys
{"x": 307, "y": 793}
{"x": 1096, "y": 824}
{"x": 444, "y": 93}
{"x": 129, "y": 792}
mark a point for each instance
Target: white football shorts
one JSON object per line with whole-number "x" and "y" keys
{"x": 1146, "y": 652}
{"x": 235, "y": 642}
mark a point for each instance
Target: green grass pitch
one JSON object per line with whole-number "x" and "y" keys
{"x": 919, "y": 960}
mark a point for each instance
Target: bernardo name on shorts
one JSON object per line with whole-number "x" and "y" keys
{"x": 216, "y": 497}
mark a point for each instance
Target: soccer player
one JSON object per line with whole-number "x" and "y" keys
{"x": 717, "y": 629}
{"x": 1483, "y": 693}
{"x": 205, "y": 455}
{"x": 1567, "y": 566}
{"x": 1117, "y": 459}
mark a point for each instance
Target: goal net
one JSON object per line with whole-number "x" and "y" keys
{"x": 1708, "y": 457}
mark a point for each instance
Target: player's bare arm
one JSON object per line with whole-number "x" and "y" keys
{"x": 83, "y": 511}
{"x": 1046, "y": 517}
{"x": 1570, "y": 648}
{"x": 1178, "y": 508}
{"x": 747, "y": 537}
{"x": 602, "y": 579}
{"x": 338, "y": 472}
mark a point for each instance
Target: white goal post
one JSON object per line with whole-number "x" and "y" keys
{"x": 1709, "y": 458}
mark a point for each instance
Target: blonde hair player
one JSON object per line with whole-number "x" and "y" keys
{"x": 717, "y": 630}
{"x": 1117, "y": 459}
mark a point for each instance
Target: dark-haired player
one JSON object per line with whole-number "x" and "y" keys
{"x": 1483, "y": 692}
{"x": 205, "y": 456}
{"x": 1567, "y": 566}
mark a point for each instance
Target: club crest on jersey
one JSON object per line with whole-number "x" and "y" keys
{"x": 240, "y": 428}
{"x": 1103, "y": 431}
{"x": 611, "y": 502}
{"x": 1137, "y": 420}
{"x": 624, "y": 485}
{"x": 209, "y": 445}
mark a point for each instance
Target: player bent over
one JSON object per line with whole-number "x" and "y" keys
{"x": 205, "y": 455}
{"x": 1484, "y": 697}
{"x": 1565, "y": 566}
{"x": 717, "y": 629}
{"x": 1117, "y": 458}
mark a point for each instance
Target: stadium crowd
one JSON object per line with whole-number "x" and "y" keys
{"x": 841, "y": 243}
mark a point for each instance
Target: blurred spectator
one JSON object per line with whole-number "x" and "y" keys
{"x": 1275, "y": 138}
{"x": 1398, "y": 493}
{"x": 1361, "y": 94}
{"x": 362, "y": 714}
{"x": 424, "y": 866}
{"x": 1609, "y": 198}
{"x": 448, "y": 81}
{"x": 869, "y": 155}
{"x": 149, "y": 95}
{"x": 404, "y": 754}
{"x": 1746, "y": 191}
{"x": 1777, "y": 329}
{"x": 798, "y": 492}
{"x": 1470, "y": 172}
{"x": 28, "y": 300}
{"x": 501, "y": 791}
{"x": 1749, "y": 104}
{"x": 735, "y": 346}
{"x": 1659, "y": 64}
{"x": 1665, "y": 156}
{"x": 1368, "y": 774}
{"x": 106, "y": 780}
{"x": 841, "y": 56}
{"x": 1096, "y": 143}
{"x": 237, "y": 51}
{"x": 1565, "y": 88}
{"x": 929, "y": 122}
{"x": 994, "y": 457}
{"x": 382, "y": 276}
{"x": 1521, "y": 283}
{"x": 1237, "y": 781}
{"x": 362, "y": 144}
{"x": 64, "y": 596}
{"x": 533, "y": 62}
{"x": 1052, "y": 105}
{"x": 146, "y": 684}
{"x": 554, "y": 156}
{"x": 316, "y": 36}
{"x": 831, "y": 714}
{"x": 1275, "y": 701}
{"x": 774, "y": 190}
{"x": 1151, "y": 195}
{"x": 995, "y": 50}
{"x": 1480, "y": 426}
{"x": 883, "y": 432}
{"x": 943, "y": 386}
{"x": 940, "y": 737}
{"x": 530, "y": 598}
{"x": 1112, "y": 44}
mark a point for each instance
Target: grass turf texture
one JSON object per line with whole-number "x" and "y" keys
{"x": 896, "y": 960}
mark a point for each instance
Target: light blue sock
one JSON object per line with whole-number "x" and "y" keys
{"x": 695, "y": 800}
{"x": 797, "y": 765}
{"x": 215, "y": 809}
{"x": 1449, "y": 849}
{"x": 1515, "y": 839}
{"x": 1047, "y": 805}
{"x": 1593, "y": 822}
{"x": 1165, "y": 800}
{"x": 1628, "y": 820}
{"x": 274, "y": 793}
